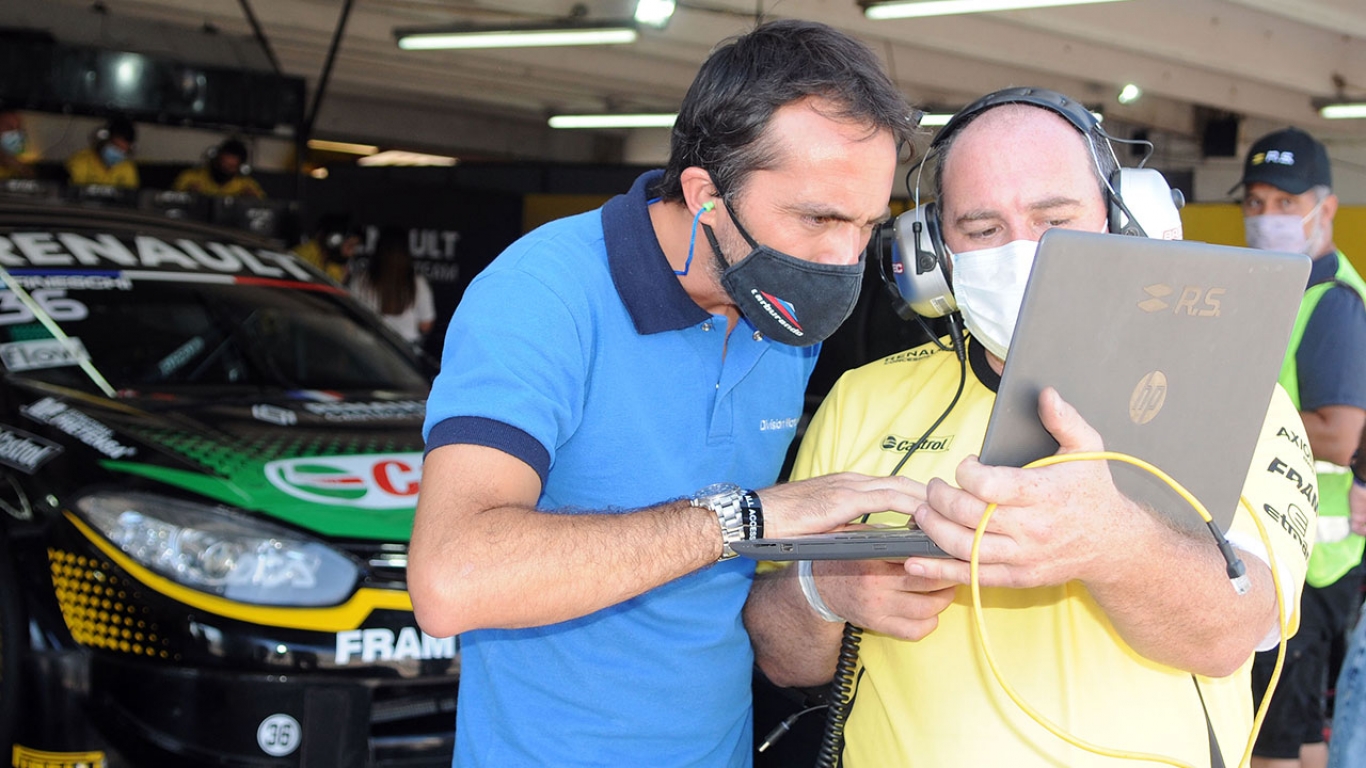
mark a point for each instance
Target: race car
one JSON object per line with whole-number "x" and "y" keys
{"x": 209, "y": 463}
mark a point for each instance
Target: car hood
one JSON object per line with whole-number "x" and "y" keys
{"x": 339, "y": 465}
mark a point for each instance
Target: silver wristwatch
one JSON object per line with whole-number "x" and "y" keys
{"x": 735, "y": 507}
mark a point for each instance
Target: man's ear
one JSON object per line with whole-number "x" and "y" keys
{"x": 1330, "y": 207}
{"x": 698, "y": 190}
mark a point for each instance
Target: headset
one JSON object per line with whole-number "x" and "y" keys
{"x": 1138, "y": 200}
{"x": 114, "y": 127}
{"x": 236, "y": 147}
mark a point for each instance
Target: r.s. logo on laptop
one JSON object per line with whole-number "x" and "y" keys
{"x": 1148, "y": 397}
{"x": 1194, "y": 300}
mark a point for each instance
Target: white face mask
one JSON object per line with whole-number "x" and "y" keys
{"x": 989, "y": 286}
{"x": 1282, "y": 232}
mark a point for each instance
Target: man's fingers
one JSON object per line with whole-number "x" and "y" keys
{"x": 1066, "y": 425}
{"x": 960, "y": 571}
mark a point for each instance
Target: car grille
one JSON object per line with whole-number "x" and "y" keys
{"x": 386, "y": 565}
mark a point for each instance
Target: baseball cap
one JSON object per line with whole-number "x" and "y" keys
{"x": 1289, "y": 160}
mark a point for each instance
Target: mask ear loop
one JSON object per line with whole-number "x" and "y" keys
{"x": 692, "y": 239}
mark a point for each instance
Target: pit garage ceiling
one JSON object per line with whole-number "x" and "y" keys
{"x": 1263, "y": 61}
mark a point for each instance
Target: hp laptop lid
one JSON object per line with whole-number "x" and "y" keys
{"x": 1169, "y": 348}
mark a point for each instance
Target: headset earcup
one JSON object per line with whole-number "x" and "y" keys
{"x": 1154, "y": 205}
{"x": 918, "y": 263}
{"x": 880, "y": 252}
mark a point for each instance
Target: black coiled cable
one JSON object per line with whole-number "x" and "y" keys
{"x": 845, "y": 683}
{"x": 842, "y": 695}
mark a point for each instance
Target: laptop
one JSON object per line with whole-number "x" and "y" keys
{"x": 1169, "y": 348}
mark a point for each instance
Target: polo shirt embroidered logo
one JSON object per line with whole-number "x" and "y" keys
{"x": 933, "y": 443}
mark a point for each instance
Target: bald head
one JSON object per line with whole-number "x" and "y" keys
{"x": 1014, "y": 172}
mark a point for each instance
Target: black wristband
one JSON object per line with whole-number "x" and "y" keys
{"x": 1357, "y": 476}
{"x": 753, "y": 511}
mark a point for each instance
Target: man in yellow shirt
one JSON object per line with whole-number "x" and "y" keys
{"x": 332, "y": 246}
{"x": 1105, "y": 619}
{"x": 108, "y": 161}
{"x": 222, "y": 176}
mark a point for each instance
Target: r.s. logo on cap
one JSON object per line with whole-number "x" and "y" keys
{"x": 1274, "y": 156}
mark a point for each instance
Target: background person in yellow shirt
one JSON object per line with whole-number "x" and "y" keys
{"x": 1106, "y": 619}
{"x": 108, "y": 161}
{"x": 332, "y": 246}
{"x": 224, "y": 174}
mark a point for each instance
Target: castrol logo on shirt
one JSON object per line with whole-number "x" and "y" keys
{"x": 379, "y": 481}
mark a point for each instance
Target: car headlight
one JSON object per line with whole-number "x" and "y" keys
{"x": 214, "y": 550}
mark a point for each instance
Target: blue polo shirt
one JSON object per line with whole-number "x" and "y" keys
{"x": 578, "y": 351}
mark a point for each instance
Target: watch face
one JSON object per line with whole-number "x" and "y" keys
{"x": 716, "y": 489}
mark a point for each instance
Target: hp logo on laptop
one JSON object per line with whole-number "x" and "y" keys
{"x": 1148, "y": 397}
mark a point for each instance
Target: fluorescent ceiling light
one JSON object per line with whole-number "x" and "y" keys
{"x": 638, "y": 120}
{"x": 656, "y": 13}
{"x": 524, "y": 36}
{"x": 1343, "y": 110}
{"x": 323, "y": 145}
{"x": 396, "y": 157}
{"x": 938, "y": 119}
{"x": 905, "y": 9}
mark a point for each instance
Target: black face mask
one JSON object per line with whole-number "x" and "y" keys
{"x": 789, "y": 300}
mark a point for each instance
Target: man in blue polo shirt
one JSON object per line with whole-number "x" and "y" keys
{"x": 614, "y": 387}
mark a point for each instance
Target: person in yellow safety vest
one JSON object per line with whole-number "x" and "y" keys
{"x": 108, "y": 161}
{"x": 223, "y": 175}
{"x": 1288, "y": 205}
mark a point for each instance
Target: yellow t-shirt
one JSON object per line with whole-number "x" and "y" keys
{"x": 312, "y": 253}
{"x": 935, "y": 702}
{"x": 85, "y": 167}
{"x": 200, "y": 181}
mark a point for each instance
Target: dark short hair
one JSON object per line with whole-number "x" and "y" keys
{"x": 122, "y": 128}
{"x": 233, "y": 147}
{"x": 721, "y": 123}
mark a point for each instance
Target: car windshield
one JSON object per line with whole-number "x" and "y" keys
{"x": 158, "y": 334}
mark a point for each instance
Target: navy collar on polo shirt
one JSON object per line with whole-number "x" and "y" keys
{"x": 641, "y": 273}
{"x": 1324, "y": 268}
